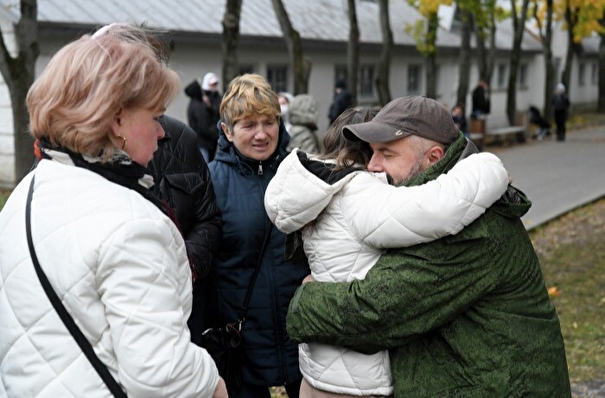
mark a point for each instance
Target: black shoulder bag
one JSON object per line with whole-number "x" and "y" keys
{"x": 67, "y": 319}
{"x": 223, "y": 343}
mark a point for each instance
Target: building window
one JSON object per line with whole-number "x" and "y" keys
{"x": 522, "y": 76}
{"x": 340, "y": 73}
{"x": 414, "y": 79}
{"x": 277, "y": 76}
{"x": 501, "y": 77}
{"x": 594, "y": 73}
{"x": 366, "y": 81}
{"x": 581, "y": 75}
{"x": 243, "y": 69}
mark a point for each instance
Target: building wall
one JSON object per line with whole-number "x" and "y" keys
{"x": 7, "y": 147}
{"x": 192, "y": 60}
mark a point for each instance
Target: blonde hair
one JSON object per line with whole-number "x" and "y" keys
{"x": 248, "y": 95}
{"x": 87, "y": 83}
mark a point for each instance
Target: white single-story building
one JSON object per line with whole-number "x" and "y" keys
{"x": 196, "y": 29}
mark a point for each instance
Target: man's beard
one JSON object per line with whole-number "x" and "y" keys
{"x": 414, "y": 171}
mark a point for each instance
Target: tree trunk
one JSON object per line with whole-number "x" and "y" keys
{"x": 300, "y": 65}
{"x": 549, "y": 83}
{"x": 19, "y": 74}
{"x": 570, "y": 18}
{"x": 491, "y": 56}
{"x": 231, "y": 20}
{"x": 601, "y": 102}
{"x": 353, "y": 51}
{"x": 519, "y": 29}
{"x": 485, "y": 57}
{"x": 464, "y": 58}
{"x": 430, "y": 60}
{"x": 384, "y": 66}
{"x": 481, "y": 51}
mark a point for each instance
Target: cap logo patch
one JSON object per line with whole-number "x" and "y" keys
{"x": 398, "y": 132}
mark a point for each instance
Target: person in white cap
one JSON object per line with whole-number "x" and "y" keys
{"x": 464, "y": 315}
{"x": 285, "y": 99}
{"x": 560, "y": 106}
{"x": 203, "y": 113}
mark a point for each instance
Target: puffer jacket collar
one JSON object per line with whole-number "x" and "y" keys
{"x": 513, "y": 204}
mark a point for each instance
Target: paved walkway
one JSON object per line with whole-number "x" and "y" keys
{"x": 557, "y": 176}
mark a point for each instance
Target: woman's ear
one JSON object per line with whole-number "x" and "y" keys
{"x": 116, "y": 124}
{"x": 226, "y": 131}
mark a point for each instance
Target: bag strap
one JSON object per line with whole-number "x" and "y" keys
{"x": 255, "y": 275}
{"x": 67, "y": 319}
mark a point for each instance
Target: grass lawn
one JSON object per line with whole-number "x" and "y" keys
{"x": 572, "y": 255}
{"x": 3, "y": 198}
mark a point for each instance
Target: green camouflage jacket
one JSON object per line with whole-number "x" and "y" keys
{"x": 464, "y": 316}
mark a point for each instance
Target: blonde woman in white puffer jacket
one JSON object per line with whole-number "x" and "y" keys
{"x": 111, "y": 251}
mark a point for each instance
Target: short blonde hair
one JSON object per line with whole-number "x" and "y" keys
{"x": 87, "y": 83}
{"x": 248, "y": 95}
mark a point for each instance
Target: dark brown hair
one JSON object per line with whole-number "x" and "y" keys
{"x": 346, "y": 152}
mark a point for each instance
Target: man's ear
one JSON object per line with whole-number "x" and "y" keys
{"x": 434, "y": 155}
{"x": 226, "y": 131}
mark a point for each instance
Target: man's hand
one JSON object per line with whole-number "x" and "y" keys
{"x": 308, "y": 278}
{"x": 221, "y": 389}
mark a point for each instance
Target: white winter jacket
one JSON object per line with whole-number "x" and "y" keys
{"x": 357, "y": 217}
{"x": 120, "y": 267}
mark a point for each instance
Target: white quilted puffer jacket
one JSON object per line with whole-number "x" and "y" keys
{"x": 120, "y": 267}
{"x": 354, "y": 220}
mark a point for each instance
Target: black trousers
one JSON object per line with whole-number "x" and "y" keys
{"x": 560, "y": 120}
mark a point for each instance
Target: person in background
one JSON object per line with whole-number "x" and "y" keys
{"x": 212, "y": 98}
{"x": 464, "y": 315}
{"x": 183, "y": 181}
{"x": 540, "y": 122}
{"x": 203, "y": 113}
{"x": 252, "y": 144}
{"x": 285, "y": 99}
{"x": 347, "y": 216}
{"x": 342, "y": 100}
{"x": 560, "y": 105}
{"x": 480, "y": 101}
{"x": 460, "y": 119}
{"x": 111, "y": 250}
{"x": 303, "y": 119}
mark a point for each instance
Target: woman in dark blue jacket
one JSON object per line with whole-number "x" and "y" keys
{"x": 252, "y": 144}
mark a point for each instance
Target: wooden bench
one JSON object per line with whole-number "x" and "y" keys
{"x": 503, "y": 132}
{"x": 479, "y": 134}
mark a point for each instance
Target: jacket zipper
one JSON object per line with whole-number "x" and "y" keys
{"x": 260, "y": 168}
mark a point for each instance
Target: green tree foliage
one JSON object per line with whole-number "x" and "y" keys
{"x": 424, "y": 30}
